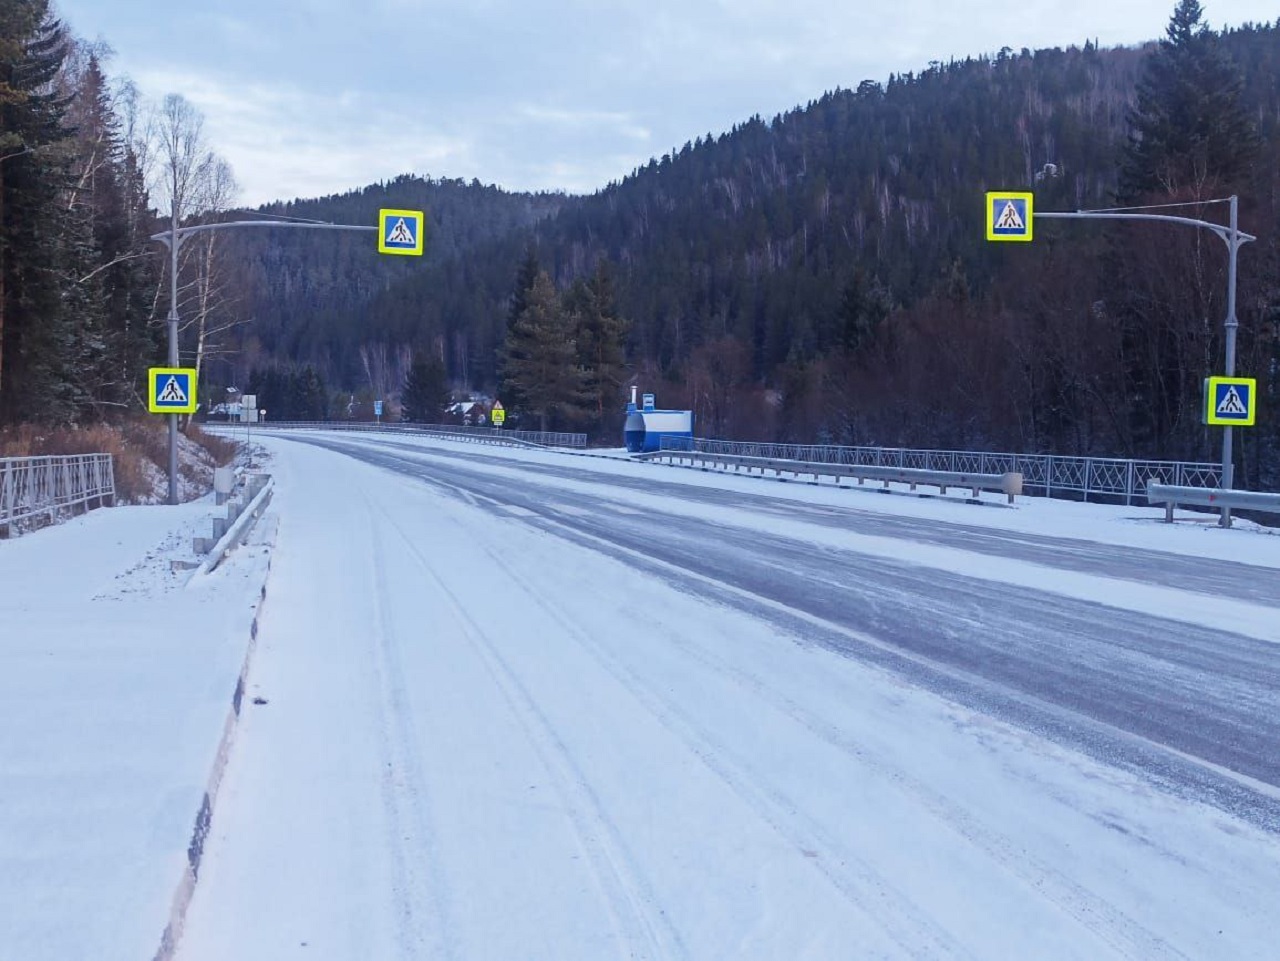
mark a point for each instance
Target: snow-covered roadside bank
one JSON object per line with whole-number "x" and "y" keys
{"x": 118, "y": 676}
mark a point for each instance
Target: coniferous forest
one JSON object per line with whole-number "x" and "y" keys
{"x": 820, "y": 276}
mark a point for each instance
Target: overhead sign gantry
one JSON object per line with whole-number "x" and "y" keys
{"x": 1229, "y": 400}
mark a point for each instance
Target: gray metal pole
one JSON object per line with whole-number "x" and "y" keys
{"x": 173, "y": 352}
{"x": 1230, "y": 325}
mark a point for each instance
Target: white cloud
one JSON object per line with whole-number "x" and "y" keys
{"x": 285, "y": 143}
{"x": 622, "y": 124}
{"x": 307, "y": 96}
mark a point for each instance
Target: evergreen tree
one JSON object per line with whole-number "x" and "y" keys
{"x": 37, "y": 337}
{"x": 540, "y": 363}
{"x": 600, "y": 334}
{"x": 311, "y": 398}
{"x": 1190, "y": 127}
{"x": 426, "y": 391}
{"x": 526, "y": 276}
{"x": 864, "y": 305}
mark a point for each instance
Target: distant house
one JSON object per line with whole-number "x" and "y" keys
{"x": 470, "y": 412}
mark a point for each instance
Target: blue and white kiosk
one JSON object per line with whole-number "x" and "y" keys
{"x": 646, "y": 426}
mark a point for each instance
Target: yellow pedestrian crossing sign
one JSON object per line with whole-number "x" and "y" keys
{"x": 1009, "y": 215}
{"x": 1231, "y": 401}
{"x": 401, "y": 232}
{"x": 171, "y": 390}
{"x": 499, "y": 414}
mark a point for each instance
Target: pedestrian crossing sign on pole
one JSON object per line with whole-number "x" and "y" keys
{"x": 1009, "y": 215}
{"x": 1231, "y": 401}
{"x": 499, "y": 414}
{"x": 171, "y": 390}
{"x": 401, "y": 232}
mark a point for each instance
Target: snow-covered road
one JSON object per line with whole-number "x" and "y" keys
{"x": 520, "y": 707}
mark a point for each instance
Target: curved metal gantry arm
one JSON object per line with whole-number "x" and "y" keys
{"x": 1221, "y": 230}
{"x": 166, "y": 237}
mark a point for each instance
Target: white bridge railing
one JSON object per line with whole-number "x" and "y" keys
{"x": 37, "y": 490}
{"x": 1046, "y": 474}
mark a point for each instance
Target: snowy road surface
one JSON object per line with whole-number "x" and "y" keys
{"x": 521, "y": 707}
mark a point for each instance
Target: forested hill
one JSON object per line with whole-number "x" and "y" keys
{"x": 755, "y": 233}
{"x": 309, "y": 293}
{"x": 824, "y": 274}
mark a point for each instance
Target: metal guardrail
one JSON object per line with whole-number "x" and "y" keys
{"x": 1008, "y": 483}
{"x": 1171, "y": 496}
{"x": 1045, "y": 474}
{"x": 40, "y": 488}
{"x": 483, "y": 435}
{"x": 242, "y": 512}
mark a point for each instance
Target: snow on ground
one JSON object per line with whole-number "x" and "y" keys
{"x": 115, "y": 683}
{"x": 483, "y": 741}
{"x": 468, "y": 738}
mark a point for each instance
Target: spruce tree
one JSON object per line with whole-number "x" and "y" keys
{"x": 38, "y": 349}
{"x": 526, "y": 276}
{"x": 426, "y": 391}
{"x": 1189, "y": 127}
{"x": 540, "y": 359}
{"x": 601, "y": 356}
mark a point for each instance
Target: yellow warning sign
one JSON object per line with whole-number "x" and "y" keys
{"x": 499, "y": 414}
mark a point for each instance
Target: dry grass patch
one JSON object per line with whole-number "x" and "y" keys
{"x": 139, "y": 448}
{"x": 221, "y": 449}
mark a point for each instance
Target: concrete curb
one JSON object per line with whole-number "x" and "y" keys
{"x": 172, "y": 935}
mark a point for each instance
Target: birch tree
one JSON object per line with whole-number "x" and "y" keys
{"x": 195, "y": 183}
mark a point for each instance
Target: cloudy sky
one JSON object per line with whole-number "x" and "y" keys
{"x": 310, "y": 97}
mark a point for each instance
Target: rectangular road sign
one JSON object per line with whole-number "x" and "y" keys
{"x": 1009, "y": 215}
{"x": 171, "y": 390}
{"x": 1231, "y": 401}
{"x": 402, "y": 232}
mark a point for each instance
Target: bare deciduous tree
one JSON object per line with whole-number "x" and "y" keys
{"x": 195, "y": 183}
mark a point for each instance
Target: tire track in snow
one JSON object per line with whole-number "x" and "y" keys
{"x": 866, "y": 889}
{"x": 905, "y": 923}
{"x": 1122, "y": 932}
{"x": 405, "y": 795}
{"x": 645, "y": 931}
